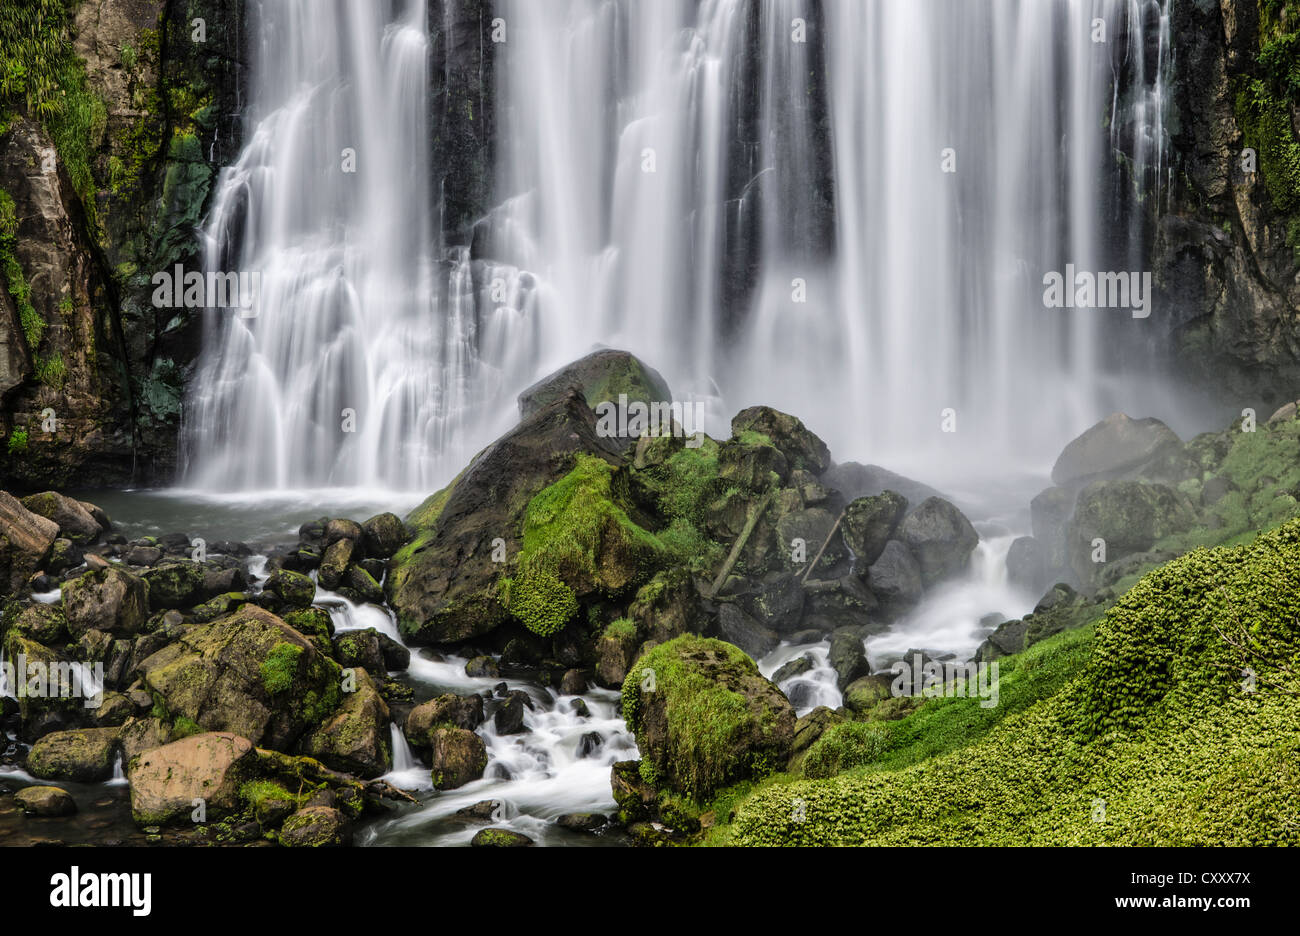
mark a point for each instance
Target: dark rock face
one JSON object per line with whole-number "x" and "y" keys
{"x": 895, "y": 579}
{"x": 870, "y": 522}
{"x": 1223, "y": 253}
{"x": 853, "y": 481}
{"x": 112, "y": 367}
{"x": 803, "y": 450}
{"x": 1128, "y": 517}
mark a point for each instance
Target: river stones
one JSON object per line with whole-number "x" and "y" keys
{"x": 45, "y": 801}
{"x": 84, "y": 755}
{"x": 499, "y": 838}
{"x": 315, "y": 827}
{"x": 74, "y": 520}
{"x": 355, "y": 739}
{"x": 457, "y": 756}
{"x": 109, "y": 599}
{"x": 212, "y": 767}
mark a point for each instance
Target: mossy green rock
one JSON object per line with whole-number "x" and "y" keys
{"x": 870, "y": 522}
{"x": 44, "y": 623}
{"x": 174, "y": 585}
{"x": 444, "y": 585}
{"x": 355, "y": 739}
{"x": 704, "y": 717}
{"x": 315, "y": 827}
{"x": 45, "y": 801}
{"x": 499, "y": 838}
{"x": 248, "y": 673}
{"x": 1129, "y": 516}
{"x": 787, "y": 434}
{"x": 84, "y": 755}
{"x": 109, "y": 599}
{"x": 295, "y": 590}
{"x": 457, "y": 757}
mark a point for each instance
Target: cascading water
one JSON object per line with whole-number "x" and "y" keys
{"x": 841, "y": 209}
{"x": 349, "y": 367}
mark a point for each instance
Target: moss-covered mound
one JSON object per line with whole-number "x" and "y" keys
{"x": 1158, "y": 740}
{"x": 577, "y": 540}
{"x": 704, "y": 716}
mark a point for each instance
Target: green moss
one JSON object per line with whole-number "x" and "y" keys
{"x": 704, "y": 717}
{"x": 751, "y": 437}
{"x": 1157, "y": 726}
{"x": 576, "y": 531}
{"x": 17, "y": 442}
{"x": 184, "y": 727}
{"x": 280, "y": 667}
{"x": 845, "y": 746}
{"x": 621, "y": 629}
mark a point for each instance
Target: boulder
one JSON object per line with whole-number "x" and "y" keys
{"x": 359, "y": 648}
{"x": 895, "y": 580}
{"x": 664, "y": 607}
{"x": 175, "y": 585}
{"x": 1027, "y": 566}
{"x": 1009, "y": 638}
{"x": 75, "y": 522}
{"x": 294, "y": 590}
{"x": 802, "y": 449}
{"x": 445, "y": 710}
{"x": 44, "y": 623}
{"x": 634, "y": 796}
{"x": 776, "y": 601}
{"x": 852, "y": 481}
{"x": 443, "y": 585}
{"x": 738, "y": 628}
{"x": 1130, "y": 516}
{"x": 847, "y": 656}
{"x": 315, "y": 827}
{"x": 499, "y": 838}
{"x": 869, "y": 523}
{"x": 1116, "y": 447}
{"x": 599, "y": 377}
{"x": 382, "y": 535}
{"x": 940, "y": 537}
{"x": 751, "y": 466}
{"x": 212, "y": 767}
{"x": 841, "y": 602}
{"x": 706, "y": 718}
{"x": 45, "y": 801}
{"x": 25, "y": 540}
{"x": 334, "y": 563}
{"x": 866, "y": 691}
{"x": 248, "y": 673}
{"x": 812, "y": 726}
{"x": 815, "y": 526}
{"x": 791, "y": 669}
{"x": 614, "y": 651}
{"x": 509, "y": 717}
{"x": 110, "y": 599}
{"x": 1049, "y": 514}
{"x": 355, "y": 739}
{"x": 84, "y": 755}
{"x": 457, "y": 757}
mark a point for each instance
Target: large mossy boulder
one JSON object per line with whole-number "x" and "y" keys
{"x": 444, "y": 584}
{"x": 940, "y": 537}
{"x": 355, "y": 739}
{"x": 165, "y": 781}
{"x": 704, "y": 717}
{"x": 84, "y": 755}
{"x": 248, "y": 673}
{"x": 110, "y": 599}
{"x": 1128, "y": 517}
{"x": 802, "y": 448}
{"x": 600, "y": 377}
{"x": 446, "y": 710}
{"x": 25, "y": 541}
{"x": 579, "y": 540}
{"x": 1120, "y": 447}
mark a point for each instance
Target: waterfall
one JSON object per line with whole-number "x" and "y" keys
{"x": 844, "y": 209}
